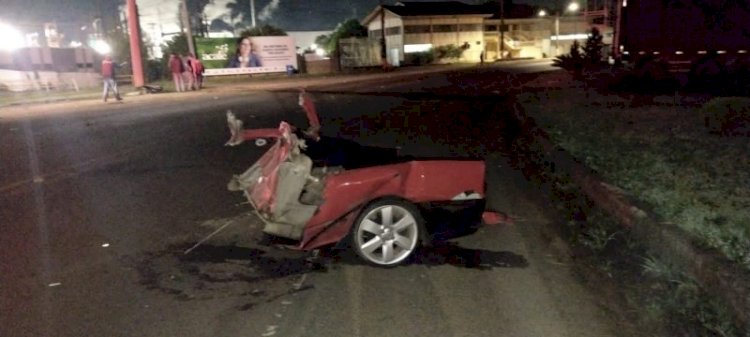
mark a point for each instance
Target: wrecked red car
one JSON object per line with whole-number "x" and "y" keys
{"x": 319, "y": 191}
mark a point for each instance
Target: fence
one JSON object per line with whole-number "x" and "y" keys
{"x": 18, "y": 81}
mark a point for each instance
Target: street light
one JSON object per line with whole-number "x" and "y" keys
{"x": 12, "y": 38}
{"x": 572, "y": 7}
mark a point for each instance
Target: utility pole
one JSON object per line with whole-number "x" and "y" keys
{"x": 252, "y": 12}
{"x": 188, "y": 27}
{"x": 557, "y": 33}
{"x": 383, "y": 56}
{"x": 502, "y": 29}
{"x": 135, "y": 44}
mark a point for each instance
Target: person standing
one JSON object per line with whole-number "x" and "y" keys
{"x": 108, "y": 77}
{"x": 176, "y": 67}
{"x": 197, "y": 68}
{"x": 481, "y": 58}
{"x": 187, "y": 72}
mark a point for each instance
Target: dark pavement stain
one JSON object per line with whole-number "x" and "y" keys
{"x": 454, "y": 255}
{"x": 443, "y": 253}
{"x": 210, "y": 272}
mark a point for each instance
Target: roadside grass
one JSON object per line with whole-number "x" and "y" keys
{"x": 662, "y": 156}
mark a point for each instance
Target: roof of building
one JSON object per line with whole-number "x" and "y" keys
{"x": 490, "y": 10}
{"x": 408, "y": 8}
{"x": 512, "y": 11}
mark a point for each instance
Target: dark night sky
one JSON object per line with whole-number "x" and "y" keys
{"x": 289, "y": 15}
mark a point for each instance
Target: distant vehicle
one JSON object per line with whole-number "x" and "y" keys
{"x": 689, "y": 35}
{"x": 318, "y": 191}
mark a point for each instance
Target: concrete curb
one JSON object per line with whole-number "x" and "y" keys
{"x": 716, "y": 275}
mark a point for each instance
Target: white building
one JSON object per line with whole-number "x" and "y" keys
{"x": 420, "y": 26}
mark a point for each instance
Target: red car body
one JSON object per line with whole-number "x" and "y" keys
{"x": 312, "y": 189}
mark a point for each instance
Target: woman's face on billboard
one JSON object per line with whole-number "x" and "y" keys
{"x": 245, "y": 47}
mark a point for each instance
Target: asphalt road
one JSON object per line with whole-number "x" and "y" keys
{"x": 99, "y": 201}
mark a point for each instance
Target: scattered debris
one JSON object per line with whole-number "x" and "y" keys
{"x": 285, "y": 302}
{"x": 298, "y": 285}
{"x": 270, "y": 330}
{"x": 278, "y": 315}
{"x": 105, "y": 245}
{"x": 38, "y": 180}
{"x": 55, "y": 284}
{"x": 208, "y": 237}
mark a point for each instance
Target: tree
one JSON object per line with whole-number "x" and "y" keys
{"x": 195, "y": 15}
{"x": 239, "y": 9}
{"x": 178, "y": 45}
{"x": 264, "y": 30}
{"x": 592, "y": 50}
{"x": 346, "y": 29}
{"x": 322, "y": 40}
{"x": 571, "y": 61}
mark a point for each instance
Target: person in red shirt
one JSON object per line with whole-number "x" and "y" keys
{"x": 108, "y": 76}
{"x": 197, "y": 68}
{"x": 175, "y": 65}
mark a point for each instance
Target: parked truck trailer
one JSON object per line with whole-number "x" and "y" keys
{"x": 684, "y": 33}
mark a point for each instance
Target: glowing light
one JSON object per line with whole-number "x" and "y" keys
{"x": 320, "y": 52}
{"x": 101, "y": 47}
{"x": 573, "y": 7}
{"x": 679, "y": 52}
{"x": 417, "y": 48}
{"x": 12, "y": 39}
{"x": 569, "y": 37}
{"x": 75, "y": 44}
{"x": 542, "y": 13}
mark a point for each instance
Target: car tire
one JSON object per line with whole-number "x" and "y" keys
{"x": 387, "y": 232}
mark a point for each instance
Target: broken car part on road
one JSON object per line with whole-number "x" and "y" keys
{"x": 319, "y": 190}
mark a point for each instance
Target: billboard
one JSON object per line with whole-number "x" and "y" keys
{"x": 249, "y": 55}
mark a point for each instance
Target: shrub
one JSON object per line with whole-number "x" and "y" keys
{"x": 450, "y": 51}
{"x": 572, "y": 60}
{"x": 420, "y": 58}
{"x": 727, "y": 115}
{"x": 592, "y": 50}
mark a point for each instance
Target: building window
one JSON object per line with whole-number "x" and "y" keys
{"x": 417, "y": 29}
{"x": 444, "y": 28}
{"x": 376, "y": 33}
{"x": 470, "y": 28}
{"x": 490, "y": 28}
{"x": 393, "y": 31}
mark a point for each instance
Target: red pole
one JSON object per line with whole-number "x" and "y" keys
{"x": 135, "y": 44}
{"x": 618, "y": 30}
